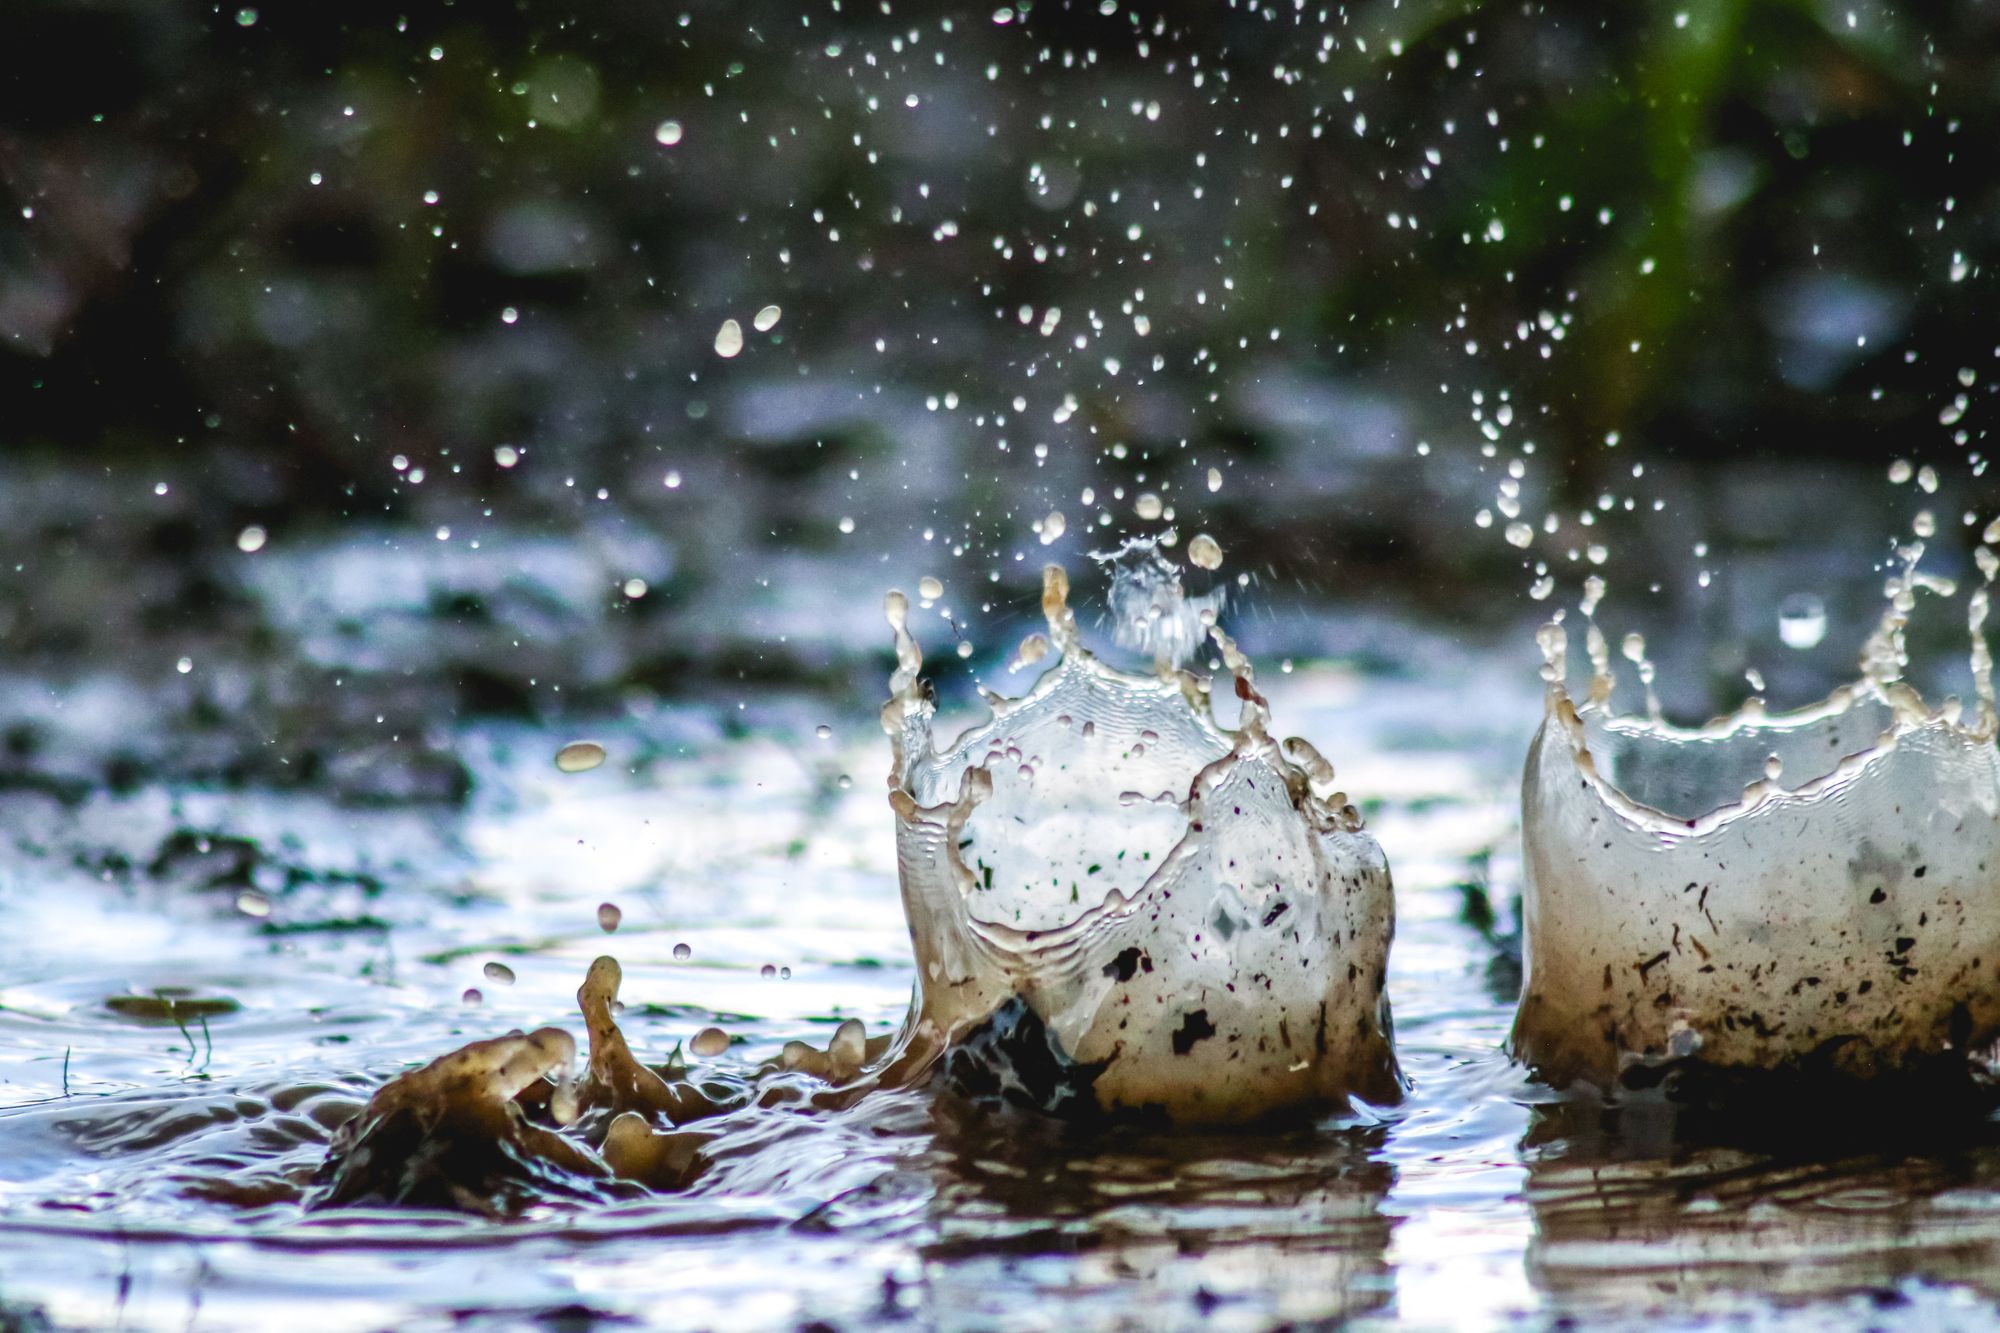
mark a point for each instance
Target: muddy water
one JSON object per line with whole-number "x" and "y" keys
{"x": 202, "y": 985}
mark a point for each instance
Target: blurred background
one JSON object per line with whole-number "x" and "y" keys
{"x": 417, "y": 362}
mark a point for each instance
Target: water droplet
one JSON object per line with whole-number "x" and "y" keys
{"x": 846, "y": 523}
{"x": 709, "y": 1041}
{"x": 635, "y": 588}
{"x": 185, "y": 665}
{"x": 1801, "y": 621}
{"x": 579, "y": 756}
{"x": 608, "y": 917}
{"x": 930, "y": 589}
{"x": 1520, "y": 534}
{"x": 823, "y": 731}
{"x": 506, "y": 455}
{"x": 1215, "y": 479}
{"x": 682, "y": 953}
{"x": 766, "y": 319}
{"x": 250, "y": 540}
{"x": 252, "y": 903}
{"x": 1205, "y": 551}
{"x": 500, "y": 972}
{"x": 844, "y": 782}
{"x": 246, "y": 18}
{"x": 472, "y": 997}
{"x": 768, "y": 971}
{"x": 784, "y": 974}
{"x": 1053, "y": 527}
{"x": 729, "y": 338}
{"x": 668, "y": 134}
{"x": 1148, "y": 506}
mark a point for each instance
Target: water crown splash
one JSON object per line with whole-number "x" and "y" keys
{"x": 1188, "y": 917}
{"x": 1815, "y": 891}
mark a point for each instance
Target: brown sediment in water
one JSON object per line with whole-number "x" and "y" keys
{"x": 1193, "y": 922}
{"x": 455, "y": 1134}
{"x": 1687, "y": 899}
{"x": 499, "y": 1125}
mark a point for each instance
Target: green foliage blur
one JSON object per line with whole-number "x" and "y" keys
{"x": 316, "y": 236}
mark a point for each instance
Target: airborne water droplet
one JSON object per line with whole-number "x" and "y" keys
{"x": 768, "y": 971}
{"x": 1148, "y": 506}
{"x": 610, "y": 914}
{"x": 579, "y": 756}
{"x": 729, "y": 338}
{"x": 500, "y": 972}
{"x": 1205, "y": 551}
{"x": 682, "y": 953}
{"x": 1801, "y": 621}
{"x": 709, "y": 1041}
{"x": 929, "y": 588}
{"x": 668, "y": 134}
{"x": 766, "y": 319}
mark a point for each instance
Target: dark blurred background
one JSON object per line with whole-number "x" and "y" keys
{"x": 384, "y": 344}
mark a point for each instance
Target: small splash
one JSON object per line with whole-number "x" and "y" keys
{"x": 1815, "y": 891}
{"x": 507, "y": 1124}
{"x": 1151, "y": 612}
{"x": 1190, "y": 915}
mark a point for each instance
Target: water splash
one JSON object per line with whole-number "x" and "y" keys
{"x": 1815, "y": 891}
{"x": 1188, "y": 916}
{"x": 1151, "y": 612}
